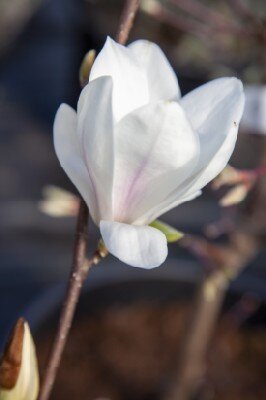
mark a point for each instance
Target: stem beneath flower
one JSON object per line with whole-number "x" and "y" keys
{"x": 80, "y": 267}
{"x": 77, "y": 277}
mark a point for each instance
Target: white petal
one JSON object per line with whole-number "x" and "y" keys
{"x": 169, "y": 203}
{"x": 162, "y": 80}
{"x": 214, "y": 110}
{"x": 67, "y": 147}
{"x": 95, "y": 126}
{"x": 129, "y": 79}
{"x": 138, "y": 246}
{"x": 155, "y": 150}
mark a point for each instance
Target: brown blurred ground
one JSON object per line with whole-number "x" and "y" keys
{"x": 130, "y": 352}
{"x": 38, "y": 72}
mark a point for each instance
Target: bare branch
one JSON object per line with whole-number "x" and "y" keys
{"x": 127, "y": 20}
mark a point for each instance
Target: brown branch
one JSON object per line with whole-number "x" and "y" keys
{"x": 242, "y": 10}
{"x": 77, "y": 276}
{"x": 223, "y": 264}
{"x": 127, "y": 20}
{"x": 212, "y": 23}
{"x": 191, "y": 367}
{"x": 185, "y": 24}
{"x": 206, "y": 15}
{"x": 80, "y": 267}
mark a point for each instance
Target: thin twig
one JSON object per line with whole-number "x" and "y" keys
{"x": 207, "y": 15}
{"x": 185, "y": 24}
{"x": 76, "y": 279}
{"x": 191, "y": 368}
{"x": 206, "y": 24}
{"x": 80, "y": 267}
{"x": 226, "y": 263}
{"x": 244, "y": 244}
{"x": 243, "y": 10}
{"x": 127, "y": 20}
{"x": 222, "y": 264}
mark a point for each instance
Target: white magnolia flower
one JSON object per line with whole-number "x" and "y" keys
{"x": 135, "y": 149}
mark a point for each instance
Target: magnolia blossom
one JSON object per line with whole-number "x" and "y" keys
{"x": 135, "y": 149}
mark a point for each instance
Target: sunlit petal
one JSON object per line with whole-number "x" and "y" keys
{"x": 95, "y": 127}
{"x": 214, "y": 110}
{"x": 162, "y": 80}
{"x": 129, "y": 79}
{"x": 155, "y": 151}
{"x": 68, "y": 150}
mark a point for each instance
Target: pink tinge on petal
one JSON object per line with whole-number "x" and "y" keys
{"x": 155, "y": 150}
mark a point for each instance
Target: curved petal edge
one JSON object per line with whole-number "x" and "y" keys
{"x": 162, "y": 80}
{"x": 138, "y": 246}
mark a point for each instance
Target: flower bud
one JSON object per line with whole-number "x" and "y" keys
{"x": 135, "y": 149}
{"x": 241, "y": 182}
{"x": 58, "y": 202}
{"x": 102, "y": 250}
{"x": 19, "y": 376}
{"x": 234, "y": 196}
{"x": 85, "y": 68}
{"x": 151, "y": 7}
{"x": 172, "y": 234}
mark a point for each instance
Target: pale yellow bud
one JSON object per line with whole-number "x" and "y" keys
{"x": 102, "y": 250}
{"x": 229, "y": 176}
{"x": 58, "y": 202}
{"x": 85, "y": 68}
{"x": 19, "y": 375}
{"x": 150, "y": 6}
{"x": 234, "y": 195}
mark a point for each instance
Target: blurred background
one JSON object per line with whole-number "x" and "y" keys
{"x": 42, "y": 43}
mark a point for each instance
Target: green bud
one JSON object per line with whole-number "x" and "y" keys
{"x": 172, "y": 234}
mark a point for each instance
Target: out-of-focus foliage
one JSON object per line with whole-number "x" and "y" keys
{"x": 14, "y": 14}
{"x": 218, "y": 38}
{"x": 86, "y": 66}
{"x": 58, "y": 202}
